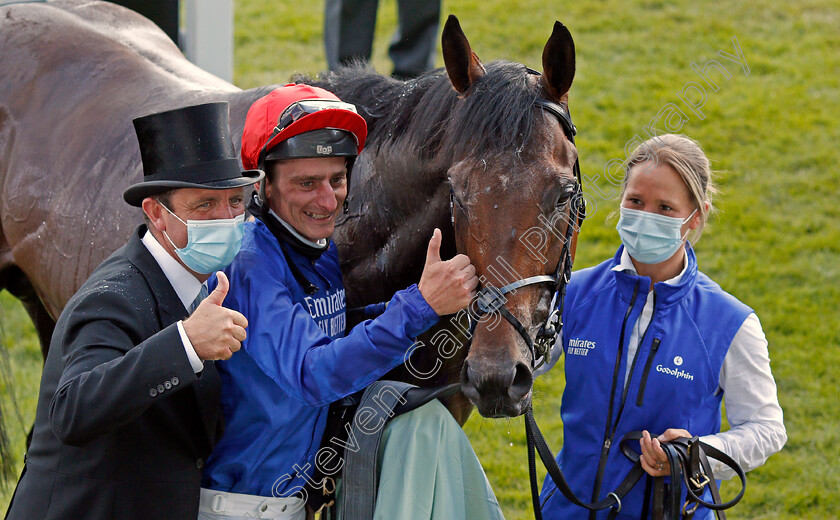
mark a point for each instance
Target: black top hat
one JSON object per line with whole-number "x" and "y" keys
{"x": 187, "y": 147}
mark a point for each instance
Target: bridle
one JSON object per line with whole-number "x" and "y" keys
{"x": 492, "y": 299}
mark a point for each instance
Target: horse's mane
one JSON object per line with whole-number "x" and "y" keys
{"x": 426, "y": 115}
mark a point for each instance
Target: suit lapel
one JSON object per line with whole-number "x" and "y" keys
{"x": 170, "y": 309}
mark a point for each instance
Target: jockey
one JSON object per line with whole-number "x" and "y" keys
{"x": 297, "y": 358}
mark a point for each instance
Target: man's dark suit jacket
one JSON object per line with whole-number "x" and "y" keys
{"x": 123, "y": 423}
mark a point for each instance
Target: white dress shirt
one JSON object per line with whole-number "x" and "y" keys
{"x": 186, "y": 287}
{"x": 756, "y": 427}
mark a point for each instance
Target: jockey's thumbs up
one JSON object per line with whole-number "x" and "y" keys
{"x": 446, "y": 286}
{"x": 217, "y": 297}
{"x": 433, "y": 253}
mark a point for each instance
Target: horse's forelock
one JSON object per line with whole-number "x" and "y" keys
{"x": 496, "y": 117}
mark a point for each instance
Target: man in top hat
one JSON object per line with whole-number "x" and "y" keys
{"x": 297, "y": 358}
{"x": 129, "y": 401}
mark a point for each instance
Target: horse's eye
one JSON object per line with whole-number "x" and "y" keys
{"x": 566, "y": 195}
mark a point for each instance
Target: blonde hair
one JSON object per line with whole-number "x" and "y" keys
{"x": 686, "y": 157}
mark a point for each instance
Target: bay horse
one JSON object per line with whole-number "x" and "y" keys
{"x": 467, "y": 150}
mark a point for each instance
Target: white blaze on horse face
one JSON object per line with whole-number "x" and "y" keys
{"x": 308, "y": 194}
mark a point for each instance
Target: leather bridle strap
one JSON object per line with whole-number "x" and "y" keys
{"x": 491, "y": 299}
{"x": 536, "y": 440}
{"x": 688, "y": 460}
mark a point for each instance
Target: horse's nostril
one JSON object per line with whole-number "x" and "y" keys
{"x": 497, "y": 391}
{"x": 468, "y": 386}
{"x": 468, "y": 376}
{"x": 523, "y": 379}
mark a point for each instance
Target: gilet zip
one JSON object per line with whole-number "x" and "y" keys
{"x": 653, "y": 348}
{"x": 599, "y": 476}
{"x": 611, "y": 426}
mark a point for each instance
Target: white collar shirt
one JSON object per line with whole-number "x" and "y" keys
{"x": 186, "y": 286}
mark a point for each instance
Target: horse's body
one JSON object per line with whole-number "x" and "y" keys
{"x": 72, "y": 77}
{"x": 74, "y": 74}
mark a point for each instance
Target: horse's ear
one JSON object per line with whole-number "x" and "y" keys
{"x": 558, "y": 63}
{"x": 462, "y": 64}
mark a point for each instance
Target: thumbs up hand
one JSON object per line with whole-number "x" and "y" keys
{"x": 448, "y": 286}
{"x": 214, "y": 331}
{"x": 217, "y": 297}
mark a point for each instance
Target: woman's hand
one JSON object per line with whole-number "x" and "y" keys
{"x": 654, "y": 461}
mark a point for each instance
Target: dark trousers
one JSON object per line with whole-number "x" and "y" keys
{"x": 349, "y": 27}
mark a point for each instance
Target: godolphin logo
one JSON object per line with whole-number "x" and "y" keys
{"x": 678, "y": 373}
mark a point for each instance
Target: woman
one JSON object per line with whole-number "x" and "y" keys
{"x": 653, "y": 344}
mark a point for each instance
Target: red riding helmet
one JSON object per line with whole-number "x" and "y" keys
{"x": 301, "y": 121}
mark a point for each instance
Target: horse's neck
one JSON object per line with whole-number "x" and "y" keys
{"x": 396, "y": 204}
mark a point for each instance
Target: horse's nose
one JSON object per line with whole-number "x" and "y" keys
{"x": 523, "y": 381}
{"x": 496, "y": 388}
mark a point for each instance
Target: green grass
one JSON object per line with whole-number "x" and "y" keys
{"x": 20, "y": 375}
{"x": 772, "y": 135}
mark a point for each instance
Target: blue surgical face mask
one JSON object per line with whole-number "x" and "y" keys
{"x": 211, "y": 244}
{"x": 648, "y": 237}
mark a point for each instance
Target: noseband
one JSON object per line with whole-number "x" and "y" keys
{"x": 492, "y": 299}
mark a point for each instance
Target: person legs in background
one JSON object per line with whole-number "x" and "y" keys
{"x": 348, "y": 30}
{"x": 413, "y": 45}
{"x": 349, "y": 27}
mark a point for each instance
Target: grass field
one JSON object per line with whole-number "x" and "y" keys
{"x": 770, "y": 129}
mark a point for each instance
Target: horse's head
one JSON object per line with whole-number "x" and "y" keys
{"x": 514, "y": 193}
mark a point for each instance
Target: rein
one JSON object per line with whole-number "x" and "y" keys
{"x": 688, "y": 459}
{"x": 690, "y": 466}
{"x": 491, "y": 299}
